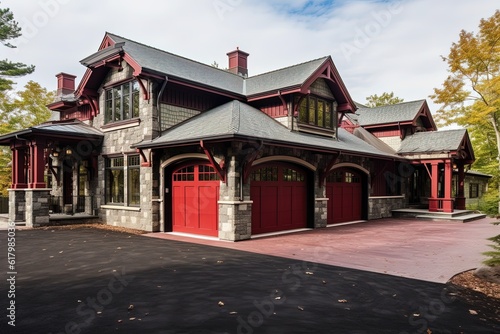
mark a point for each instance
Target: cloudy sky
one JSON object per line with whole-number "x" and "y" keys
{"x": 377, "y": 46}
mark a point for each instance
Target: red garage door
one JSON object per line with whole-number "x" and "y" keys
{"x": 195, "y": 193}
{"x": 279, "y": 195}
{"x": 343, "y": 188}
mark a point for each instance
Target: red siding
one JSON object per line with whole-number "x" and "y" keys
{"x": 81, "y": 113}
{"x": 385, "y": 133}
{"x": 276, "y": 110}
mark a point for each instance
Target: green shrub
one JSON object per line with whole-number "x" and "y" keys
{"x": 494, "y": 255}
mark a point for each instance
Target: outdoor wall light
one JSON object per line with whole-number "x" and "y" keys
{"x": 69, "y": 151}
{"x": 55, "y": 154}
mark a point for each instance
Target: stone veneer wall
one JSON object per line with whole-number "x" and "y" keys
{"x": 37, "y": 207}
{"x": 235, "y": 213}
{"x": 17, "y": 205}
{"x": 381, "y": 207}
{"x": 119, "y": 141}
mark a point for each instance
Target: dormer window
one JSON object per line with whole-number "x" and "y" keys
{"x": 318, "y": 112}
{"x": 122, "y": 102}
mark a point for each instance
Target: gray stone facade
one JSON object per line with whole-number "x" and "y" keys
{"x": 37, "y": 207}
{"x": 17, "y": 205}
{"x": 118, "y": 139}
{"x": 381, "y": 207}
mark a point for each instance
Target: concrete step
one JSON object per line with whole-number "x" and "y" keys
{"x": 462, "y": 218}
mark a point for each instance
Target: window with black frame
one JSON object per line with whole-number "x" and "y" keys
{"x": 133, "y": 180}
{"x": 122, "y": 102}
{"x": 316, "y": 111}
{"x": 114, "y": 180}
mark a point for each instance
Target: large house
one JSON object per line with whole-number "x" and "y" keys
{"x": 154, "y": 141}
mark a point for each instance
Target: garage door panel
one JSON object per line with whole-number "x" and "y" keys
{"x": 268, "y": 214}
{"x": 195, "y": 200}
{"x": 279, "y": 200}
{"x": 344, "y": 190}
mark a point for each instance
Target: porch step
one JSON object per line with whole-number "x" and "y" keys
{"x": 462, "y": 216}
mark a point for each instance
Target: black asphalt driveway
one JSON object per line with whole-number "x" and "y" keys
{"x": 95, "y": 281}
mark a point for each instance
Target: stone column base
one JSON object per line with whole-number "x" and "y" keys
{"x": 17, "y": 205}
{"x": 37, "y": 207}
{"x": 235, "y": 220}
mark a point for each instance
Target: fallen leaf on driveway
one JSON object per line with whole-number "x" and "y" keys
{"x": 342, "y": 301}
{"x": 473, "y": 312}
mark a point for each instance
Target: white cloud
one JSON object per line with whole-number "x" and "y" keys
{"x": 399, "y": 51}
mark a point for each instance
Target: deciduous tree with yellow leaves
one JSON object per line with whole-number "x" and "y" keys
{"x": 470, "y": 95}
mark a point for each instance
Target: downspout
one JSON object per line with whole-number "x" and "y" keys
{"x": 241, "y": 183}
{"x": 158, "y": 108}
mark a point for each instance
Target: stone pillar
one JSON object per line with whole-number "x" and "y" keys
{"x": 320, "y": 203}
{"x": 235, "y": 213}
{"x": 17, "y": 205}
{"x": 37, "y": 207}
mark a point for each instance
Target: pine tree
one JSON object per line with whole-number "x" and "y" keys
{"x": 9, "y": 29}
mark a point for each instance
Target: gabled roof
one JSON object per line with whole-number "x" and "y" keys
{"x": 145, "y": 59}
{"x": 283, "y": 78}
{"x": 72, "y": 129}
{"x": 405, "y": 112}
{"x": 237, "y": 120}
{"x": 448, "y": 141}
{"x": 160, "y": 62}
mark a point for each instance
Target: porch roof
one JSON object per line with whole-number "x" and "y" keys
{"x": 72, "y": 129}
{"x": 454, "y": 143}
{"x": 237, "y": 120}
{"x": 433, "y": 141}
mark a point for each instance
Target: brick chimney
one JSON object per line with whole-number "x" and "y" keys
{"x": 65, "y": 84}
{"x": 238, "y": 62}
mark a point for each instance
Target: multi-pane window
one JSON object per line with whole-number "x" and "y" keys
{"x": 133, "y": 179}
{"x": 316, "y": 111}
{"x": 122, "y": 102}
{"x": 291, "y": 175}
{"x": 473, "y": 190}
{"x": 265, "y": 174}
{"x": 114, "y": 180}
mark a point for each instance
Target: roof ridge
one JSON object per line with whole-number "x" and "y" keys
{"x": 395, "y": 104}
{"x": 288, "y": 67}
{"x": 235, "y": 117}
{"x": 176, "y": 55}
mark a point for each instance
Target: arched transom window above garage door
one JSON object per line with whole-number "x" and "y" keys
{"x": 277, "y": 174}
{"x": 196, "y": 173}
{"x": 343, "y": 176}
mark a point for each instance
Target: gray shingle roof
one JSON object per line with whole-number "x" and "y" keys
{"x": 238, "y": 120}
{"x": 433, "y": 141}
{"x": 73, "y": 129}
{"x": 286, "y": 77}
{"x": 401, "y": 112}
{"x": 162, "y": 62}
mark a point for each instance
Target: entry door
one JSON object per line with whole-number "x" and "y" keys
{"x": 195, "y": 195}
